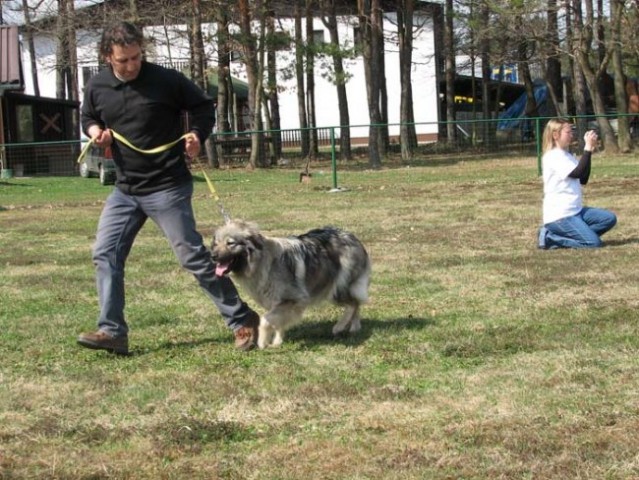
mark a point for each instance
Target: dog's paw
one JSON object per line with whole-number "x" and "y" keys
{"x": 339, "y": 330}
{"x": 278, "y": 339}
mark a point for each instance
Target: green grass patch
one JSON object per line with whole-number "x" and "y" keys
{"x": 479, "y": 356}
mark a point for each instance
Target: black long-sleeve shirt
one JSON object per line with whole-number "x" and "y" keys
{"x": 582, "y": 170}
{"x": 148, "y": 112}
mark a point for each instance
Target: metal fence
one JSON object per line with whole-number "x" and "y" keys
{"x": 513, "y": 136}
{"x": 39, "y": 159}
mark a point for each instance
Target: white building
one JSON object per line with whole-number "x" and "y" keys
{"x": 166, "y": 46}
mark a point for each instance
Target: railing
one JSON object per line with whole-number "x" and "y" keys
{"x": 520, "y": 136}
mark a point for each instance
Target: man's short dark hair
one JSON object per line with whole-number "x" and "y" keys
{"x": 122, "y": 34}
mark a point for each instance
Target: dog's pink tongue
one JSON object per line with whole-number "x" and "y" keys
{"x": 221, "y": 269}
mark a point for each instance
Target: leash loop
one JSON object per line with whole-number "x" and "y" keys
{"x": 160, "y": 149}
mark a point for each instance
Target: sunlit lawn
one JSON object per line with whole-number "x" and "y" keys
{"x": 480, "y": 356}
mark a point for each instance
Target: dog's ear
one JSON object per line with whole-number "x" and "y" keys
{"x": 256, "y": 241}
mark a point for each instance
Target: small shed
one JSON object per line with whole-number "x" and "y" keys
{"x": 238, "y": 106}
{"x": 38, "y": 135}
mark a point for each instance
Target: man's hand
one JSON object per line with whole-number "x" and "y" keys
{"x": 101, "y": 137}
{"x": 192, "y": 145}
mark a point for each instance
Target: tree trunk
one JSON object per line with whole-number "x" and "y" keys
{"x": 198, "y": 60}
{"x": 224, "y": 84}
{"x": 310, "y": 81}
{"x": 552, "y": 72}
{"x": 484, "y": 48}
{"x": 450, "y": 72}
{"x": 61, "y": 51}
{"x": 271, "y": 88}
{"x": 578, "y": 81}
{"x": 531, "y": 109}
{"x": 378, "y": 29}
{"x": 601, "y": 33}
{"x": 299, "y": 76}
{"x": 72, "y": 54}
{"x": 623, "y": 125}
{"x": 28, "y": 33}
{"x": 407, "y": 135}
{"x": 340, "y": 83}
{"x": 250, "y": 54}
{"x": 583, "y": 32}
{"x": 368, "y": 11}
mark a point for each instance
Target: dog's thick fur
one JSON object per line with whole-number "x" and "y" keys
{"x": 286, "y": 275}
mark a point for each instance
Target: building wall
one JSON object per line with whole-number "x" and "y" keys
{"x": 425, "y": 94}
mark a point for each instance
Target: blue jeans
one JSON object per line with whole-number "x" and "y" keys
{"x": 580, "y": 231}
{"x": 122, "y": 218}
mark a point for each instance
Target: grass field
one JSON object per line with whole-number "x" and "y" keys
{"x": 480, "y": 357}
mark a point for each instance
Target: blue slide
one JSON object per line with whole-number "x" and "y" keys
{"x": 514, "y": 114}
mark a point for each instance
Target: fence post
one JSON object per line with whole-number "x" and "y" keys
{"x": 538, "y": 138}
{"x": 333, "y": 158}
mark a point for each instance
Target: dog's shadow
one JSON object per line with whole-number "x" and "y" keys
{"x": 312, "y": 334}
{"x": 308, "y": 335}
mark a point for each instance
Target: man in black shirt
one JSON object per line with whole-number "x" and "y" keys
{"x": 143, "y": 103}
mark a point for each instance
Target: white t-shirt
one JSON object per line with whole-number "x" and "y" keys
{"x": 562, "y": 194}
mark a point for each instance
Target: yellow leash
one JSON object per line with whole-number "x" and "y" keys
{"x": 160, "y": 149}
{"x": 117, "y": 136}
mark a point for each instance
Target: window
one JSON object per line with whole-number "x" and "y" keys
{"x": 357, "y": 39}
{"x": 24, "y": 115}
{"x": 318, "y": 36}
{"x": 357, "y": 35}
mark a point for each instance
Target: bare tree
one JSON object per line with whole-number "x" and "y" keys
{"x": 272, "y": 44}
{"x": 196, "y": 43}
{"x": 67, "y": 64}
{"x": 484, "y": 49}
{"x": 368, "y": 12}
{"x": 450, "y": 71}
{"x": 623, "y": 128}
{"x": 340, "y": 77}
{"x": 552, "y": 66}
{"x": 378, "y": 30}
{"x": 253, "y": 52}
{"x": 299, "y": 76}
{"x": 310, "y": 81}
{"x": 524, "y": 47}
{"x": 583, "y": 31}
{"x": 577, "y": 81}
{"x": 224, "y": 83}
{"x": 28, "y": 34}
{"x": 405, "y": 25}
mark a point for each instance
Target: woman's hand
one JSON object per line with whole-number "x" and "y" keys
{"x": 590, "y": 139}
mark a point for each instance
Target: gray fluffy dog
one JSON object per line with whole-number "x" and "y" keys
{"x": 286, "y": 275}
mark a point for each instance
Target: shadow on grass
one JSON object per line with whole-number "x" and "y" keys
{"x": 313, "y": 334}
{"x": 4, "y": 183}
{"x": 306, "y": 335}
{"x": 177, "y": 346}
{"x": 620, "y": 241}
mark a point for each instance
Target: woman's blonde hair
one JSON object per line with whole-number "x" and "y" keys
{"x": 553, "y": 126}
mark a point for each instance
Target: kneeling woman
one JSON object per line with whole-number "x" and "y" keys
{"x": 567, "y": 223}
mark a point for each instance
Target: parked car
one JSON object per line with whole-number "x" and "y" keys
{"x": 98, "y": 162}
